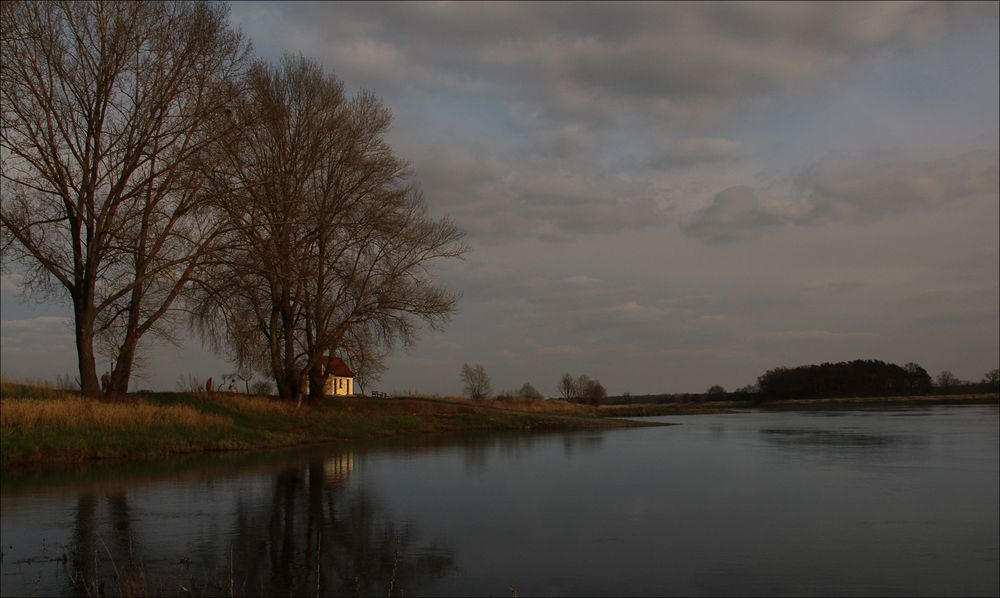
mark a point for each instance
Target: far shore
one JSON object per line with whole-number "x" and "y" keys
{"x": 706, "y": 407}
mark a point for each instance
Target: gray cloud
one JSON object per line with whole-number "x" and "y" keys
{"x": 847, "y": 189}
{"x": 678, "y": 153}
{"x": 850, "y": 187}
{"x": 736, "y": 213}
{"x": 595, "y": 62}
{"x": 498, "y": 196}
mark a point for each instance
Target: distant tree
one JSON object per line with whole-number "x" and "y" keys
{"x": 917, "y": 378}
{"x": 475, "y": 381}
{"x": 593, "y": 392}
{"x": 946, "y": 380}
{"x": 567, "y": 387}
{"x": 715, "y": 389}
{"x": 992, "y": 378}
{"x": 529, "y": 392}
{"x": 861, "y": 377}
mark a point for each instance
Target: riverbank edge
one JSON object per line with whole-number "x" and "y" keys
{"x": 714, "y": 407}
{"x": 239, "y": 423}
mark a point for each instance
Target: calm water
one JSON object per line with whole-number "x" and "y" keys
{"x": 892, "y": 502}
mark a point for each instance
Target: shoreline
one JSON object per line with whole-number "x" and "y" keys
{"x": 62, "y": 429}
{"x": 46, "y": 428}
{"x": 716, "y": 407}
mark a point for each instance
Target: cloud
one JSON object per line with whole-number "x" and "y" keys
{"x": 497, "y": 196}
{"x": 697, "y": 150}
{"x": 847, "y": 189}
{"x": 601, "y": 100}
{"x": 594, "y": 62}
{"x": 736, "y": 213}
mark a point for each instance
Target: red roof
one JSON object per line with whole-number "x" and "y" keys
{"x": 338, "y": 367}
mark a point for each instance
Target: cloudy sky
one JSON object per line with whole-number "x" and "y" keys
{"x": 667, "y": 196}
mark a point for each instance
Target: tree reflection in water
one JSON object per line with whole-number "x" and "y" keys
{"x": 313, "y": 534}
{"x": 316, "y": 537}
{"x": 88, "y": 546}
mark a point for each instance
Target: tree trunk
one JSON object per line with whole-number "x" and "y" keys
{"x": 90, "y": 384}
{"x": 123, "y": 368}
{"x": 316, "y": 389}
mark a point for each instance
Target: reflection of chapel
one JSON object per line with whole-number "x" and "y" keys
{"x": 338, "y": 468}
{"x": 340, "y": 381}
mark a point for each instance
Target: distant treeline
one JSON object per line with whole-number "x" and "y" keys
{"x": 858, "y": 378}
{"x": 861, "y": 377}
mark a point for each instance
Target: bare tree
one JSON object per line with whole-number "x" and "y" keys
{"x": 582, "y": 389}
{"x": 590, "y": 390}
{"x": 475, "y": 381}
{"x": 106, "y": 110}
{"x": 992, "y": 378}
{"x": 330, "y": 242}
{"x": 582, "y": 385}
{"x": 945, "y": 380}
{"x": 567, "y": 387}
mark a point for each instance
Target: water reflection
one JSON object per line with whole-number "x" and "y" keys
{"x": 315, "y": 536}
{"x": 87, "y": 545}
{"x": 756, "y": 503}
{"x": 311, "y": 533}
{"x": 478, "y": 451}
{"x": 837, "y": 438}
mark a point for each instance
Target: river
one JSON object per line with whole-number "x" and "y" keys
{"x": 902, "y": 501}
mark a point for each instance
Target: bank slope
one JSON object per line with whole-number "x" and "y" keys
{"x": 54, "y": 427}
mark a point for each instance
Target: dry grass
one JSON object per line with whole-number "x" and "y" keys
{"x": 253, "y": 404}
{"x": 45, "y": 425}
{"x": 74, "y": 412}
{"x": 29, "y": 388}
{"x": 525, "y": 405}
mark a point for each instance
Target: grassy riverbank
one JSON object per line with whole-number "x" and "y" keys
{"x": 40, "y": 424}
{"x": 653, "y": 409}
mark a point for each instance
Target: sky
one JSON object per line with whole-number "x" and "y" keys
{"x": 664, "y": 196}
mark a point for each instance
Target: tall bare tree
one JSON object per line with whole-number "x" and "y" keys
{"x": 476, "y": 382}
{"x": 331, "y": 241}
{"x": 567, "y": 387}
{"x": 107, "y": 108}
